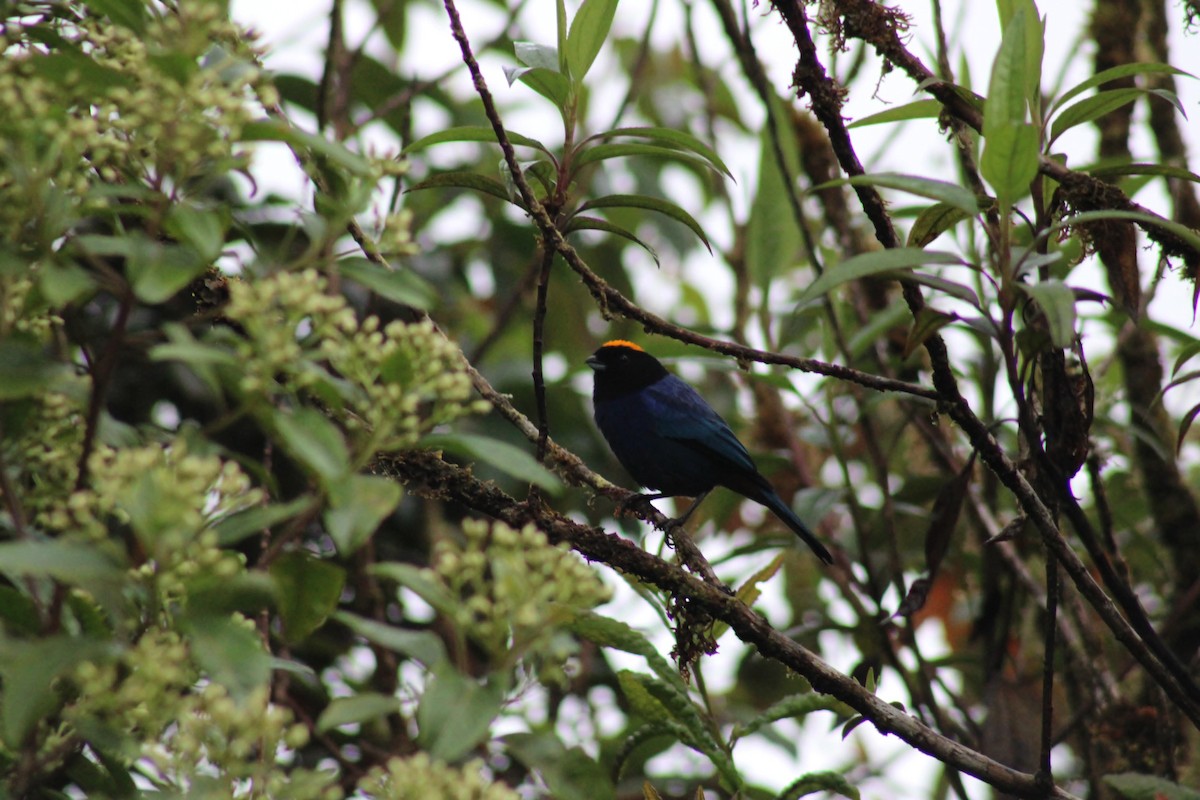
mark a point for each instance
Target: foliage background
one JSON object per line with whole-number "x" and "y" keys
{"x": 218, "y": 369}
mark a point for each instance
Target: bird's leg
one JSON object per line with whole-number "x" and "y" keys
{"x": 681, "y": 520}
{"x": 623, "y": 505}
{"x": 679, "y": 540}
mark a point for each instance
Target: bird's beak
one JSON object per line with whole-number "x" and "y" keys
{"x": 595, "y": 363}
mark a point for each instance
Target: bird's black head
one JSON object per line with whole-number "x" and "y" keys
{"x": 622, "y": 368}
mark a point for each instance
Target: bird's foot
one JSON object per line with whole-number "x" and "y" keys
{"x": 642, "y": 500}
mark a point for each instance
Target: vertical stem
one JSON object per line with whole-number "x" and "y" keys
{"x": 539, "y": 324}
{"x": 1045, "y": 772}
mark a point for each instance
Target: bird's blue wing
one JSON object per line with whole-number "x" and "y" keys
{"x": 682, "y": 415}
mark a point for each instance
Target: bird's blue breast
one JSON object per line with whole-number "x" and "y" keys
{"x": 670, "y": 440}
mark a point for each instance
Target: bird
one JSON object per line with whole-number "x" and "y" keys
{"x": 671, "y": 440}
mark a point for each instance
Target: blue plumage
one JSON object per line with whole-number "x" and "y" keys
{"x": 671, "y": 440}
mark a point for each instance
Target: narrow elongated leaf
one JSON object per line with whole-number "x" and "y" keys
{"x": 503, "y": 456}
{"x": 424, "y": 646}
{"x": 1057, "y": 302}
{"x": 1182, "y": 232}
{"x": 1091, "y": 108}
{"x": 468, "y": 180}
{"x": 943, "y": 191}
{"x": 797, "y": 705}
{"x": 877, "y": 263}
{"x": 918, "y": 109}
{"x": 674, "y": 138}
{"x": 1114, "y": 73}
{"x": 773, "y": 236}
{"x": 1139, "y": 168}
{"x": 933, "y": 222}
{"x": 1010, "y": 150}
{"x": 273, "y": 130}
{"x": 551, "y": 85}
{"x": 652, "y": 204}
{"x": 588, "y": 31}
{"x": 472, "y": 133}
{"x": 1010, "y": 160}
{"x": 602, "y": 152}
{"x": 608, "y": 632}
{"x": 578, "y": 223}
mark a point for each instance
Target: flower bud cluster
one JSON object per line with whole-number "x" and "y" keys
{"x": 419, "y": 777}
{"x": 162, "y": 106}
{"x": 191, "y": 733}
{"x": 513, "y": 589}
{"x": 404, "y": 378}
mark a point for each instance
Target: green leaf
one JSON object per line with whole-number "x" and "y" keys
{"x": 1057, "y": 302}
{"x": 1010, "y": 152}
{"x": 274, "y": 130}
{"x": 608, "y": 632}
{"x": 1115, "y": 73}
{"x": 61, "y": 284}
{"x": 18, "y": 612}
{"x": 536, "y": 56}
{"x": 424, "y": 646}
{"x": 651, "y": 204}
{"x": 227, "y": 650}
{"x": 201, "y": 228}
{"x": 1138, "y": 786}
{"x": 505, "y": 457}
{"x": 468, "y": 180}
{"x": 392, "y": 16}
{"x": 29, "y": 669}
{"x": 236, "y": 527}
{"x": 307, "y": 590}
{"x": 1140, "y": 168}
{"x": 933, "y": 222}
{"x": 127, "y": 13}
{"x": 156, "y": 271}
{"x": 312, "y": 439}
{"x": 455, "y": 713}
{"x": 357, "y": 505}
{"x": 876, "y": 263}
{"x": 550, "y": 84}
{"x": 357, "y": 709}
{"x": 823, "y": 783}
{"x": 772, "y": 234}
{"x": 796, "y": 705}
{"x": 943, "y": 191}
{"x": 588, "y": 31}
{"x": 1182, "y": 232}
{"x": 578, "y": 223}
{"x": 420, "y": 581}
{"x": 1091, "y": 108}
{"x": 401, "y": 286}
{"x": 918, "y": 109}
{"x": 569, "y": 773}
{"x": 603, "y": 152}
{"x": 472, "y": 133}
{"x": 673, "y": 138}
{"x": 25, "y": 368}
{"x": 68, "y": 562}
{"x": 1010, "y": 160}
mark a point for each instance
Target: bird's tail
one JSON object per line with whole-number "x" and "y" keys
{"x": 781, "y": 509}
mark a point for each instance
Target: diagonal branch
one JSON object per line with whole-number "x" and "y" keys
{"x": 425, "y": 474}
